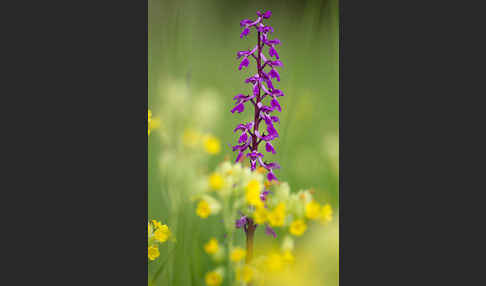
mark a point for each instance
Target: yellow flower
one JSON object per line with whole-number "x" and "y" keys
{"x": 203, "y": 209}
{"x": 153, "y": 252}
{"x": 274, "y": 262}
{"x": 216, "y": 181}
{"x": 253, "y": 190}
{"x": 162, "y": 233}
{"x": 213, "y": 278}
{"x": 237, "y": 254}
{"x": 261, "y": 170}
{"x": 326, "y": 214}
{"x": 288, "y": 257}
{"x": 149, "y": 121}
{"x": 312, "y": 210}
{"x": 157, "y": 224}
{"x": 260, "y": 215}
{"x": 244, "y": 274}
{"x": 212, "y": 246}
{"x": 298, "y": 227}
{"x": 153, "y": 123}
{"x": 277, "y": 216}
{"x": 190, "y": 138}
{"x": 212, "y": 144}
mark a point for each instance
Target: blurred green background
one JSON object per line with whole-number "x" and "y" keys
{"x": 192, "y": 49}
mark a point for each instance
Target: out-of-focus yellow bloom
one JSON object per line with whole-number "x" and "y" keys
{"x": 213, "y": 278}
{"x": 162, "y": 233}
{"x": 298, "y": 227}
{"x": 274, "y": 262}
{"x": 203, "y": 209}
{"x": 261, "y": 170}
{"x": 149, "y": 122}
{"x": 244, "y": 274}
{"x": 212, "y": 246}
{"x": 288, "y": 257}
{"x": 153, "y": 252}
{"x": 277, "y": 216}
{"x": 326, "y": 214}
{"x": 260, "y": 215}
{"x": 237, "y": 254}
{"x": 212, "y": 144}
{"x": 216, "y": 181}
{"x": 153, "y": 123}
{"x": 253, "y": 190}
{"x": 190, "y": 138}
{"x": 312, "y": 210}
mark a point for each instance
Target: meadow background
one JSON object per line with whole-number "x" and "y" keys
{"x": 192, "y": 79}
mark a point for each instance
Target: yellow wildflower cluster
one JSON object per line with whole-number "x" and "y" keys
{"x": 314, "y": 210}
{"x": 228, "y": 180}
{"x": 234, "y": 179}
{"x": 238, "y": 191}
{"x": 157, "y": 233}
{"x": 293, "y": 210}
{"x": 153, "y": 123}
{"x": 278, "y": 208}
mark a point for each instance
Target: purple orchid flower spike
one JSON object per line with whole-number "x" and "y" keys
{"x": 263, "y": 97}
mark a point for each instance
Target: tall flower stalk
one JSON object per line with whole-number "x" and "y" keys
{"x": 262, "y": 88}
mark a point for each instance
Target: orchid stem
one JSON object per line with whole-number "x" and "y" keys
{"x": 250, "y": 234}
